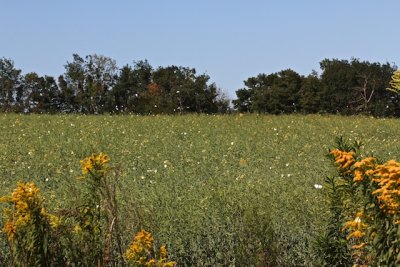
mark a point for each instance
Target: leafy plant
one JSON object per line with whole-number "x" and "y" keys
{"x": 365, "y": 208}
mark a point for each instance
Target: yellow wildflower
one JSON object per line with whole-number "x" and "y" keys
{"x": 141, "y": 245}
{"x": 95, "y": 162}
{"x": 5, "y": 199}
{"x": 363, "y": 167}
{"x": 357, "y": 234}
{"x": 10, "y": 230}
{"x": 26, "y": 201}
{"x": 141, "y": 252}
{"x": 343, "y": 158}
{"x": 151, "y": 262}
{"x": 163, "y": 252}
{"x": 54, "y": 220}
{"x": 169, "y": 264}
{"x": 144, "y": 238}
{"x": 395, "y": 82}
{"x": 359, "y": 246}
{"x": 356, "y": 227}
{"x": 387, "y": 176}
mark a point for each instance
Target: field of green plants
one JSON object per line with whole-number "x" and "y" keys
{"x": 227, "y": 190}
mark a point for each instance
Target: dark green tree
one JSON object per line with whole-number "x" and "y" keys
{"x": 100, "y": 77}
{"x": 254, "y": 96}
{"x": 124, "y": 91}
{"x": 353, "y": 87}
{"x": 10, "y": 85}
{"x": 52, "y": 99}
{"x": 39, "y": 94}
{"x": 137, "y": 98}
{"x": 31, "y": 96}
{"x": 90, "y": 79}
{"x": 370, "y": 94}
{"x": 310, "y": 93}
{"x": 274, "y": 93}
{"x": 337, "y": 80}
{"x": 180, "y": 89}
{"x": 244, "y": 101}
{"x": 222, "y": 102}
{"x": 67, "y": 96}
{"x": 73, "y": 81}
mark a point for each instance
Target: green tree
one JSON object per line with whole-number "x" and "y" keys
{"x": 67, "y": 96}
{"x": 74, "y": 79}
{"x": 370, "y": 93}
{"x": 275, "y": 93}
{"x": 222, "y": 102}
{"x": 180, "y": 89}
{"x": 39, "y": 94}
{"x": 352, "y": 87}
{"x": 310, "y": 94}
{"x": 137, "y": 98}
{"x": 337, "y": 81}
{"x": 286, "y": 92}
{"x": 124, "y": 91}
{"x": 51, "y": 95}
{"x": 100, "y": 74}
{"x": 10, "y": 85}
{"x": 255, "y": 95}
{"x": 243, "y": 102}
{"x": 31, "y": 96}
{"x": 90, "y": 79}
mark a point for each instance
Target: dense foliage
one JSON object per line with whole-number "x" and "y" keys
{"x": 344, "y": 87}
{"x": 94, "y": 84}
{"x": 364, "y": 201}
{"x": 86, "y": 234}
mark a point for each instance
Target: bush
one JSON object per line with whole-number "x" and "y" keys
{"x": 365, "y": 198}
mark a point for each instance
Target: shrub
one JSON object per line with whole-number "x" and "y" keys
{"x": 86, "y": 235}
{"x": 365, "y": 198}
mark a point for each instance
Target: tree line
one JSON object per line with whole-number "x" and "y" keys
{"x": 94, "y": 85}
{"x": 344, "y": 87}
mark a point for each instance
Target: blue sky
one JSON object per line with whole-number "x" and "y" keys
{"x": 230, "y": 40}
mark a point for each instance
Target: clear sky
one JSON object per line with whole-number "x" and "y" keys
{"x": 230, "y": 40}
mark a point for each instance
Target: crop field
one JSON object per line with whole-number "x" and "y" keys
{"x": 217, "y": 190}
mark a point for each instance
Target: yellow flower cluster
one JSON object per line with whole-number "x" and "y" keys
{"x": 95, "y": 162}
{"x": 140, "y": 252}
{"x": 357, "y": 230}
{"x": 387, "y": 176}
{"x": 395, "y": 82}
{"x": 376, "y": 191}
{"x": 26, "y": 201}
{"x": 364, "y": 167}
{"x": 344, "y": 159}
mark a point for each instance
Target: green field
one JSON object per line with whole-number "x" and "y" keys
{"x": 218, "y": 190}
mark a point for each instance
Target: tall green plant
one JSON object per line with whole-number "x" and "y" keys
{"x": 87, "y": 235}
{"x": 97, "y": 228}
{"x": 395, "y": 82}
{"x": 27, "y": 226}
{"x": 367, "y": 217}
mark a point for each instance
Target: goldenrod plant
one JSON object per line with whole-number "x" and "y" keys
{"x": 27, "y": 226}
{"x": 395, "y": 82}
{"x": 369, "y": 207}
{"x": 97, "y": 223}
{"x": 141, "y": 252}
{"x": 86, "y": 235}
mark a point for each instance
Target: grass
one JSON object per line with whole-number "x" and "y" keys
{"x": 218, "y": 190}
